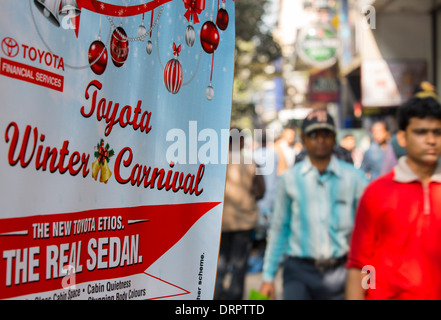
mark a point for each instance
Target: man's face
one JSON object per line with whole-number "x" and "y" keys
{"x": 290, "y": 136}
{"x": 422, "y": 140}
{"x": 319, "y": 143}
{"x": 379, "y": 132}
{"x": 348, "y": 143}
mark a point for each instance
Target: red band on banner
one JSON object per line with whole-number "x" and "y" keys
{"x": 99, "y": 244}
{"x": 108, "y": 9}
{"x": 31, "y": 74}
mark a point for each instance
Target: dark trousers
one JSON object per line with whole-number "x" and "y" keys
{"x": 302, "y": 281}
{"x": 234, "y": 252}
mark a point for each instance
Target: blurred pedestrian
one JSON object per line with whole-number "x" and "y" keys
{"x": 284, "y": 147}
{"x": 313, "y": 218}
{"x": 394, "y": 151}
{"x": 398, "y": 223}
{"x": 349, "y": 143}
{"x": 339, "y": 152}
{"x": 243, "y": 187}
{"x": 267, "y": 159}
{"x": 373, "y": 157}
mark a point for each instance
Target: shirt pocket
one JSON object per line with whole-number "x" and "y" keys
{"x": 342, "y": 216}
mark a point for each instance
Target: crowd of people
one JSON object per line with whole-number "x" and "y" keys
{"x": 340, "y": 224}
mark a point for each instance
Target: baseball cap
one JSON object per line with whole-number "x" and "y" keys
{"x": 318, "y": 119}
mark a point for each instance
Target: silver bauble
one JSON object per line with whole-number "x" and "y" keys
{"x": 149, "y": 47}
{"x": 190, "y": 35}
{"x": 142, "y": 32}
{"x": 209, "y": 92}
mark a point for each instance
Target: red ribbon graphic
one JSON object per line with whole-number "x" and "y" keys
{"x": 176, "y": 50}
{"x": 101, "y": 7}
{"x": 194, "y": 7}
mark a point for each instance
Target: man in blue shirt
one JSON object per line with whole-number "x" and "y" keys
{"x": 313, "y": 218}
{"x": 374, "y": 156}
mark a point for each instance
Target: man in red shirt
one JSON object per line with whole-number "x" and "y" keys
{"x": 395, "y": 248}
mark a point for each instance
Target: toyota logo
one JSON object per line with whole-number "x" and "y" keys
{"x": 9, "y": 47}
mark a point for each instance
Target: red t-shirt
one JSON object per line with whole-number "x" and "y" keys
{"x": 398, "y": 232}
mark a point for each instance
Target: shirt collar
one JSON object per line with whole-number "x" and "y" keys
{"x": 403, "y": 173}
{"x": 333, "y": 166}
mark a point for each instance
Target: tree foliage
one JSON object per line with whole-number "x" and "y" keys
{"x": 255, "y": 49}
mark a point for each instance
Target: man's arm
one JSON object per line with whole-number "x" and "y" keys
{"x": 278, "y": 235}
{"x": 281, "y": 165}
{"x": 354, "y": 285}
{"x": 362, "y": 240}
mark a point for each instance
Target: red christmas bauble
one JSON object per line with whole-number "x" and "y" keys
{"x": 222, "y": 19}
{"x": 173, "y": 76}
{"x": 119, "y": 47}
{"x": 98, "y": 57}
{"x": 209, "y": 37}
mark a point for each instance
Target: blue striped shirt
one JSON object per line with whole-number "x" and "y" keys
{"x": 313, "y": 213}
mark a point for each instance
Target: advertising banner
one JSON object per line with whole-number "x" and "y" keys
{"x": 324, "y": 86}
{"x": 114, "y": 121}
{"x": 389, "y": 83}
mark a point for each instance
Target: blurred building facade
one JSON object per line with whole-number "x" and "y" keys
{"x": 360, "y": 58}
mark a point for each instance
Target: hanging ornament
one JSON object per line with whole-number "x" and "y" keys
{"x": 119, "y": 47}
{"x": 190, "y": 35}
{"x": 222, "y": 17}
{"x": 209, "y": 92}
{"x": 98, "y": 57}
{"x": 142, "y": 31}
{"x": 194, "y": 7}
{"x": 173, "y": 72}
{"x": 209, "y": 37}
{"x": 149, "y": 47}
